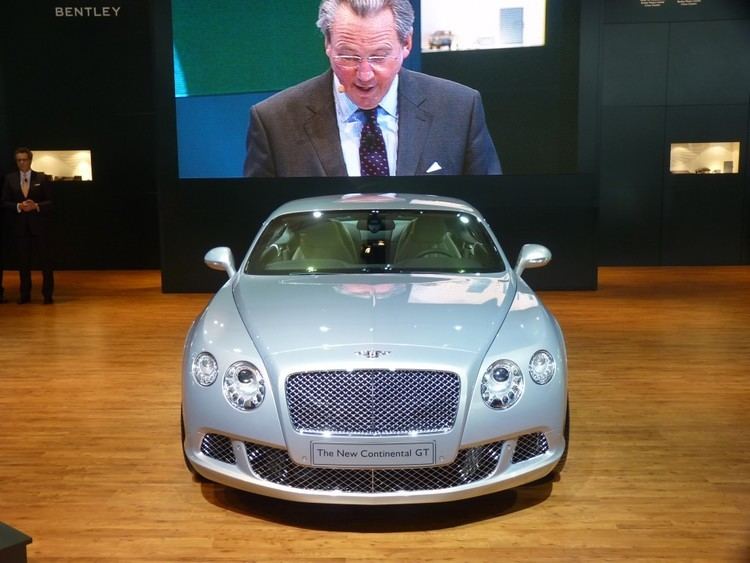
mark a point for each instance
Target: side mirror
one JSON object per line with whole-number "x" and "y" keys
{"x": 532, "y": 256}
{"x": 222, "y": 259}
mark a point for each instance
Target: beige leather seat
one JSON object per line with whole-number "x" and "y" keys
{"x": 327, "y": 240}
{"x": 424, "y": 237}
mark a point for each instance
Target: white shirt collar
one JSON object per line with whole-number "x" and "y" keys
{"x": 345, "y": 108}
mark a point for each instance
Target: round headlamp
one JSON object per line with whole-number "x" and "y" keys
{"x": 244, "y": 387}
{"x": 205, "y": 369}
{"x": 502, "y": 385}
{"x": 542, "y": 367}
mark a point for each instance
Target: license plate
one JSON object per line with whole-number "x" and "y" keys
{"x": 372, "y": 455}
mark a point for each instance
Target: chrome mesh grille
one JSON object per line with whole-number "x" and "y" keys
{"x": 373, "y": 402}
{"x": 471, "y": 465}
{"x": 218, "y": 447}
{"x": 530, "y": 445}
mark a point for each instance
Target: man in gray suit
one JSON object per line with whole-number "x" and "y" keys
{"x": 427, "y": 125}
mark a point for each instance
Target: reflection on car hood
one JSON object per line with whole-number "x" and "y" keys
{"x": 296, "y": 313}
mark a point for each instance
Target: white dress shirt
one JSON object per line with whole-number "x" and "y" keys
{"x": 350, "y": 126}
{"x": 27, "y": 177}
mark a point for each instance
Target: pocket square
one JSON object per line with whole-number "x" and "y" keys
{"x": 434, "y": 167}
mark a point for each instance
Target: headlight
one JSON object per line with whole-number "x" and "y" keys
{"x": 502, "y": 385}
{"x": 244, "y": 386}
{"x": 542, "y": 367}
{"x": 205, "y": 369}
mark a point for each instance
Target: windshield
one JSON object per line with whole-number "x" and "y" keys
{"x": 374, "y": 241}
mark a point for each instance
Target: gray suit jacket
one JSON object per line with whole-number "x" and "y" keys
{"x": 295, "y": 133}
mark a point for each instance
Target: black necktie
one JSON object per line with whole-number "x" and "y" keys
{"x": 373, "y": 160}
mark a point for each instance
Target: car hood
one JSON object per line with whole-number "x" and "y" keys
{"x": 292, "y": 314}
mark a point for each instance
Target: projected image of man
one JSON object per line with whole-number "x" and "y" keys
{"x": 368, "y": 116}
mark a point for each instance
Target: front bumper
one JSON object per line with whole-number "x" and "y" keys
{"x": 478, "y": 470}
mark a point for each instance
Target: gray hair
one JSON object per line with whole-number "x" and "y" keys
{"x": 402, "y": 10}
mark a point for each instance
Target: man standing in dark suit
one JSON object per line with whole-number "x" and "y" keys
{"x": 422, "y": 125}
{"x": 26, "y": 197}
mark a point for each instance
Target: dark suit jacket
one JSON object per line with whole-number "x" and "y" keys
{"x": 32, "y": 223}
{"x": 295, "y": 133}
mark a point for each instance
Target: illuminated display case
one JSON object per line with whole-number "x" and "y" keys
{"x": 715, "y": 157}
{"x": 68, "y": 165}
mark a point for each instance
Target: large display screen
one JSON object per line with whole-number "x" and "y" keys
{"x": 233, "y": 54}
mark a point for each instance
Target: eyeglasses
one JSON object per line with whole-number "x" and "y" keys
{"x": 353, "y": 61}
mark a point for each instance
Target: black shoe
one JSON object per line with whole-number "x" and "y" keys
{"x": 48, "y": 301}
{"x": 23, "y": 300}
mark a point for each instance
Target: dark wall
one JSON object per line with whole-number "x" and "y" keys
{"x": 86, "y": 82}
{"x": 605, "y": 103}
{"x": 102, "y": 82}
{"x": 557, "y": 211}
{"x": 673, "y": 73}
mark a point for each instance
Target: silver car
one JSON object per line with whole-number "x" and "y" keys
{"x": 375, "y": 349}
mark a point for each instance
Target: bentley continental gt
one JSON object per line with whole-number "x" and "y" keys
{"x": 375, "y": 349}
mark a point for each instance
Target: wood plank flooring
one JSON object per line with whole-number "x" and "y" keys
{"x": 659, "y": 465}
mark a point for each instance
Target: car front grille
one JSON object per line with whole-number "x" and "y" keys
{"x": 530, "y": 445}
{"x": 218, "y": 447}
{"x": 471, "y": 465}
{"x": 373, "y": 402}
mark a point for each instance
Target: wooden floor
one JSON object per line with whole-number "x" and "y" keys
{"x": 658, "y": 470}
